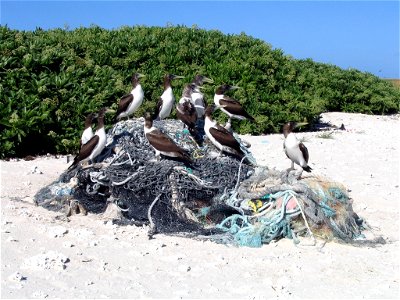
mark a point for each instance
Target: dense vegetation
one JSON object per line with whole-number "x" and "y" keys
{"x": 50, "y": 79}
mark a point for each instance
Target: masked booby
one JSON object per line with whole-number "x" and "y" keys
{"x": 167, "y": 99}
{"x": 162, "y": 143}
{"x": 87, "y": 133}
{"x": 228, "y": 105}
{"x": 219, "y": 136}
{"x": 131, "y": 102}
{"x": 95, "y": 145}
{"x": 294, "y": 149}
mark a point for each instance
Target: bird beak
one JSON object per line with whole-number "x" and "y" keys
{"x": 234, "y": 87}
{"x": 141, "y": 75}
{"x": 110, "y": 111}
{"x": 178, "y": 77}
{"x": 208, "y": 80}
{"x": 300, "y": 124}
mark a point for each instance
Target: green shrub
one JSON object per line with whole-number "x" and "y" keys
{"x": 49, "y": 80}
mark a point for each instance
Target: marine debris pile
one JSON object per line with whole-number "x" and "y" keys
{"x": 219, "y": 197}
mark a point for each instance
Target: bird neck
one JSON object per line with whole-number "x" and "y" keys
{"x": 148, "y": 127}
{"x": 219, "y": 91}
{"x": 136, "y": 86}
{"x": 100, "y": 123}
{"x": 187, "y": 92}
{"x": 167, "y": 83}
{"x": 88, "y": 123}
{"x": 135, "y": 82}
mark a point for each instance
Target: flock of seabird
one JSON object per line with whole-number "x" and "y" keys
{"x": 195, "y": 114}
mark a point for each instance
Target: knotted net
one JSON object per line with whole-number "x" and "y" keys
{"x": 218, "y": 197}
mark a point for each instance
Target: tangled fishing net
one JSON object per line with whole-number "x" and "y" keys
{"x": 220, "y": 197}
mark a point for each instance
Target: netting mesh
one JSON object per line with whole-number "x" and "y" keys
{"x": 219, "y": 196}
{"x": 133, "y": 178}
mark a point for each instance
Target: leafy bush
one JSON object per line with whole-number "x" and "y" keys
{"x": 49, "y": 80}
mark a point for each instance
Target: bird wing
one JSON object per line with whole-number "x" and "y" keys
{"x": 304, "y": 150}
{"x": 225, "y": 138}
{"x": 87, "y": 148}
{"x": 186, "y": 112}
{"x": 284, "y": 148}
{"x": 85, "y": 151}
{"x": 234, "y": 107}
{"x": 162, "y": 142}
{"x": 158, "y": 107}
{"x": 124, "y": 103}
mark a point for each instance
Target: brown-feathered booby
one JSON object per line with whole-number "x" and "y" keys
{"x": 167, "y": 99}
{"x": 162, "y": 143}
{"x": 95, "y": 145}
{"x": 197, "y": 96}
{"x": 219, "y": 136}
{"x": 294, "y": 149}
{"x": 131, "y": 102}
{"x": 186, "y": 112}
{"x": 228, "y": 105}
{"x": 87, "y": 133}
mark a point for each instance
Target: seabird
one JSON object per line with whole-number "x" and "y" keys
{"x": 228, "y": 105}
{"x": 294, "y": 149}
{"x": 162, "y": 143}
{"x": 219, "y": 136}
{"x": 167, "y": 99}
{"x": 87, "y": 133}
{"x": 197, "y": 96}
{"x": 131, "y": 102}
{"x": 186, "y": 112}
{"x": 95, "y": 145}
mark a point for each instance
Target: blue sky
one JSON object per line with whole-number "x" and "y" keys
{"x": 350, "y": 34}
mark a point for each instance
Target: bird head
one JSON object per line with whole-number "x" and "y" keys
{"x": 222, "y": 89}
{"x": 148, "y": 119}
{"x": 291, "y": 125}
{"x": 172, "y": 76}
{"x": 209, "y": 110}
{"x": 200, "y": 79}
{"x": 135, "y": 78}
{"x": 103, "y": 111}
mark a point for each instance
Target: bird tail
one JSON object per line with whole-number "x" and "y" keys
{"x": 117, "y": 118}
{"x": 187, "y": 160}
{"x": 74, "y": 164}
{"x": 307, "y": 169}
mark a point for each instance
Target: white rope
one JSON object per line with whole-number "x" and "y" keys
{"x": 150, "y": 209}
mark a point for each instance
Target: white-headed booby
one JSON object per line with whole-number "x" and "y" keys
{"x": 162, "y": 143}
{"x": 228, "y": 105}
{"x": 131, "y": 102}
{"x": 294, "y": 149}
{"x": 95, "y": 145}
{"x": 167, "y": 99}
{"x": 87, "y": 133}
{"x": 219, "y": 136}
{"x": 197, "y": 96}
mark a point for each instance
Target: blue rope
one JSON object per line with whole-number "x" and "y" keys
{"x": 265, "y": 228}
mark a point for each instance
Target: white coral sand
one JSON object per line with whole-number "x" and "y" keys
{"x": 121, "y": 262}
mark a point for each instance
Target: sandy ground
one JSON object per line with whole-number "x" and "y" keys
{"x": 45, "y": 256}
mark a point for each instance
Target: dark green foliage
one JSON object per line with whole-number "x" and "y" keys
{"x": 49, "y": 80}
